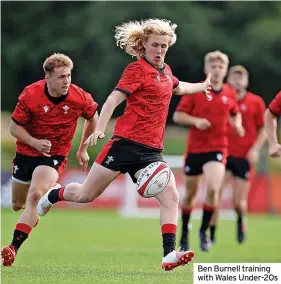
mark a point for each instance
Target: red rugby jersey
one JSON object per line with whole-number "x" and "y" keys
{"x": 275, "y": 105}
{"x": 217, "y": 111}
{"x": 149, "y": 92}
{"x": 252, "y": 109}
{"x": 54, "y": 119}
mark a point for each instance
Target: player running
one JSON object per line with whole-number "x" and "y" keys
{"x": 147, "y": 86}
{"x": 243, "y": 151}
{"x": 44, "y": 123}
{"x": 207, "y": 142}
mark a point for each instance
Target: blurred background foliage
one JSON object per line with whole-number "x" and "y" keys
{"x": 249, "y": 32}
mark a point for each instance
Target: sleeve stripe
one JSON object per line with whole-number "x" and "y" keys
{"x": 123, "y": 91}
{"x": 21, "y": 124}
{"x": 273, "y": 112}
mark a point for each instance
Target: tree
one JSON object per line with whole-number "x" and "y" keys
{"x": 250, "y": 33}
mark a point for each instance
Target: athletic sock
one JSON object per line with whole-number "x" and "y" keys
{"x": 206, "y": 218}
{"x": 20, "y": 235}
{"x": 169, "y": 238}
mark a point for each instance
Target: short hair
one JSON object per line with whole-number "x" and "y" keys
{"x": 216, "y": 55}
{"x": 238, "y": 69}
{"x": 130, "y": 35}
{"x": 57, "y": 60}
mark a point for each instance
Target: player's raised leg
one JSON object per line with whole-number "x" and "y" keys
{"x": 191, "y": 188}
{"x": 214, "y": 173}
{"x": 96, "y": 182}
{"x": 169, "y": 201}
{"x": 42, "y": 179}
{"x": 215, "y": 217}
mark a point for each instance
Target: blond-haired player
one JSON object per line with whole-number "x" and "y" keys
{"x": 147, "y": 86}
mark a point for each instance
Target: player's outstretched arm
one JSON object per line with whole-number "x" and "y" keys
{"x": 42, "y": 145}
{"x": 270, "y": 121}
{"x": 183, "y": 118}
{"x": 185, "y": 88}
{"x": 114, "y": 99}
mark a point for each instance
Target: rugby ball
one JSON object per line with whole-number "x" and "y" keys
{"x": 153, "y": 179}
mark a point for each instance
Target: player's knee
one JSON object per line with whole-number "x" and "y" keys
{"x": 171, "y": 196}
{"x": 213, "y": 195}
{"x": 35, "y": 194}
{"x": 17, "y": 206}
{"x": 212, "y": 191}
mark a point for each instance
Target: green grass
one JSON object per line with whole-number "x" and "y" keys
{"x": 101, "y": 247}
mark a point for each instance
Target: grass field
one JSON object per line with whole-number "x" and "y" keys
{"x": 101, "y": 247}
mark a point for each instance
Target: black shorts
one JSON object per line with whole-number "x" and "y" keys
{"x": 194, "y": 162}
{"x": 239, "y": 167}
{"x": 24, "y": 166}
{"x": 126, "y": 156}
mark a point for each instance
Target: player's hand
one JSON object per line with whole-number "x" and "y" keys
{"x": 207, "y": 87}
{"x": 253, "y": 156}
{"x": 275, "y": 150}
{"x": 43, "y": 146}
{"x": 83, "y": 159}
{"x": 202, "y": 123}
{"x": 92, "y": 139}
{"x": 240, "y": 130}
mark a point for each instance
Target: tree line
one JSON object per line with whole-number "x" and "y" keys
{"x": 249, "y": 32}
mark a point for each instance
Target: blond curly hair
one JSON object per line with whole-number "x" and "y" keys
{"x": 130, "y": 35}
{"x": 57, "y": 60}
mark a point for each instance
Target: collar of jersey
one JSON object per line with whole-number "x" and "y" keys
{"x": 54, "y": 99}
{"x": 217, "y": 92}
{"x": 161, "y": 70}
